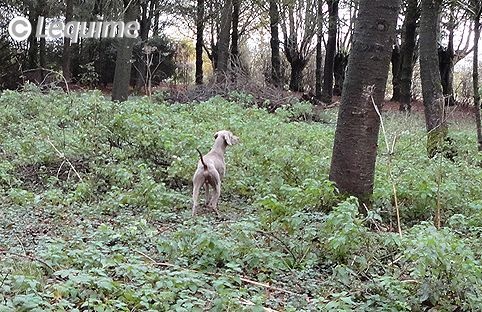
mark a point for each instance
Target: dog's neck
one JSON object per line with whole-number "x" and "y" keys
{"x": 219, "y": 146}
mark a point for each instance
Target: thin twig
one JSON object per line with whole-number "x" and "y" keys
{"x": 285, "y": 246}
{"x": 51, "y": 72}
{"x": 21, "y": 244}
{"x": 62, "y": 156}
{"x": 390, "y": 153}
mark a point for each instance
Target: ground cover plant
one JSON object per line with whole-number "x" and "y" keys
{"x": 95, "y": 211}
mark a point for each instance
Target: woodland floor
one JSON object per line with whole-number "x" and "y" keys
{"x": 116, "y": 234}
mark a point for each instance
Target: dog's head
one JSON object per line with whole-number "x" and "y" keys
{"x": 227, "y": 136}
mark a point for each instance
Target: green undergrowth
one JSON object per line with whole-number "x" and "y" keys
{"x": 95, "y": 212}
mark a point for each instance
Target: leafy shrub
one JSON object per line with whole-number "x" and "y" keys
{"x": 447, "y": 272}
{"x": 343, "y": 232}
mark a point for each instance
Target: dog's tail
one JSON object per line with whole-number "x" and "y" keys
{"x": 202, "y": 160}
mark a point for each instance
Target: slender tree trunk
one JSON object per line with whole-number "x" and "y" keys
{"x": 356, "y": 137}
{"x": 319, "y": 55}
{"x": 122, "y": 74}
{"x": 223, "y": 41}
{"x": 327, "y": 90}
{"x": 275, "y": 54}
{"x": 341, "y": 61}
{"x": 32, "y": 54}
{"x": 446, "y": 66}
{"x": 42, "y": 42}
{"x": 66, "y": 53}
{"x": 144, "y": 22}
{"x": 140, "y": 75}
{"x": 235, "y": 64}
{"x": 42, "y": 49}
{"x": 408, "y": 54}
{"x": 433, "y": 100}
{"x": 199, "y": 41}
{"x": 475, "y": 80}
{"x": 396, "y": 64}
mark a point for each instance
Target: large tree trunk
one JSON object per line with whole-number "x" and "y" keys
{"x": 396, "y": 64}
{"x": 199, "y": 41}
{"x": 235, "y": 64}
{"x": 356, "y": 137}
{"x": 327, "y": 90}
{"x": 433, "y": 99}
{"x": 319, "y": 55}
{"x": 123, "y": 65}
{"x": 275, "y": 54}
{"x": 475, "y": 80}
{"x": 223, "y": 41}
{"x": 407, "y": 55}
{"x": 341, "y": 61}
{"x": 66, "y": 53}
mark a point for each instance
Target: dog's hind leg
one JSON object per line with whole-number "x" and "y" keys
{"x": 197, "y": 181}
{"x": 216, "y": 194}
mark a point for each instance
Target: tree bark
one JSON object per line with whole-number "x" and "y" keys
{"x": 296, "y": 77}
{"x": 66, "y": 53}
{"x": 319, "y": 55}
{"x": 123, "y": 65}
{"x": 433, "y": 99}
{"x": 199, "y": 41}
{"x": 396, "y": 61}
{"x": 223, "y": 41}
{"x": 356, "y": 137}
{"x": 274, "y": 41}
{"x": 408, "y": 54}
{"x": 341, "y": 61}
{"x": 327, "y": 89}
{"x": 475, "y": 80}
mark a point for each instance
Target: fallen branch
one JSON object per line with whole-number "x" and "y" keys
{"x": 5, "y": 252}
{"x": 244, "y": 279}
{"x": 250, "y": 303}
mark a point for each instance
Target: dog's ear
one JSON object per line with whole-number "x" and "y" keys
{"x": 227, "y": 138}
